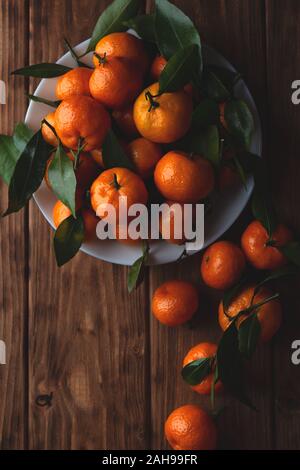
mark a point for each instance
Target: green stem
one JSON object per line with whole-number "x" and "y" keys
{"x": 102, "y": 60}
{"x": 153, "y": 104}
{"x": 115, "y": 183}
{"x": 44, "y": 121}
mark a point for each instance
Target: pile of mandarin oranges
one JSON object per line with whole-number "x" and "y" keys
{"x": 113, "y": 95}
{"x": 122, "y": 92}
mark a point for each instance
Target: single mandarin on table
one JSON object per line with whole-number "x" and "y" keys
{"x": 201, "y": 351}
{"x": 175, "y": 302}
{"x": 222, "y": 265}
{"x": 190, "y": 428}
{"x": 269, "y": 315}
{"x": 263, "y": 252}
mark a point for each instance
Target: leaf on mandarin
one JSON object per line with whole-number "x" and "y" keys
{"x": 196, "y": 371}
{"x": 68, "y": 239}
{"x": 112, "y": 19}
{"x": 62, "y": 178}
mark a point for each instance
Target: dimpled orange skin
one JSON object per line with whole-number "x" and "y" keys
{"x": 168, "y": 220}
{"x": 175, "y": 302}
{"x": 269, "y": 315}
{"x": 190, "y": 428}
{"x": 86, "y": 172}
{"x": 82, "y": 117}
{"x": 258, "y": 253}
{"x": 90, "y": 221}
{"x": 75, "y": 82}
{"x": 222, "y": 115}
{"x": 157, "y": 67}
{"x": 181, "y": 179}
{"x": 227, "y": 178}
{"x": 144, "y": 154}
{"x": 97, "y": 157}
{"x": 104, "y": 190}
{"x": 62, "y": 212}
{"x": 201, "y": 351}
{"x": 47, "y": 133}
{"x": 124, "y": 119}
{"x": 115, "y": 83}
{"x": 169, "y": 121}
{"x": 123, "y": 45}
{"x": 222, "y": 265}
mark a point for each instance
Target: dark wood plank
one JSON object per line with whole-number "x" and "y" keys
{"x": 88, "y": 338}
{"x": 13, "y": 239}
{"x": 236, "y": 29}
{"x": 283, "y": 49}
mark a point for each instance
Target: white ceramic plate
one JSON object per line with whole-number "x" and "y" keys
{"x": 226, "y": 206}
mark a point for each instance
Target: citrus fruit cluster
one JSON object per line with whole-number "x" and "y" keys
{"x": 113, "y": 94}
{"x": 152, "y": 120}
{"x": 175, "y": 302}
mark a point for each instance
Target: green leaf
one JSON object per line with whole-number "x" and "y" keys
{"x": 112, "y": 19}
{"x": 28, "y": 173}
{"x": 68, "y": 239}
{"x": 230, "y": 365}
{"x": 178, "y": 70}
{"x": 292, "y": 251}
{"x": 62, "y": 178}
{"x": 227, "y": 77}
{"x": 248, "y": 161}
{"x": 44, "y": 70}
{"x": 137, "y": 270}
{"x": 196, "y": 371}
{"x": 239, "y": 121}
{"x": 205, "y": 142}
{"x": 249, "y": 332}
{"x": 143, "y": 25}
{"x": 75, "y": 56}
{"x": 11, "y": 148}
{"x": 240, "y": 171}
{"x": 212, "y": 87}
{"x": 280, "y": 273}
{"x": 113, "y": 153}
{"x": 212, "y": 389}
{"x": 173, "y": 29}
{"x": 21, "y": 136}
{"x": 39, "y": 99}
{"x": 262, "y": 207}
{"x": 206, "y": 114}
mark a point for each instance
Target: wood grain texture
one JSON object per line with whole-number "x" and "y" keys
{"x": 13, "y": 240}
{"x": 88, "y": 337}
{"x": 235, "y": 29}
{"x": 113, "y": 370}
{"x": 283, "y": 49}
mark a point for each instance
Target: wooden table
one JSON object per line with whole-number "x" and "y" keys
{"x": 75, "y": 332}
